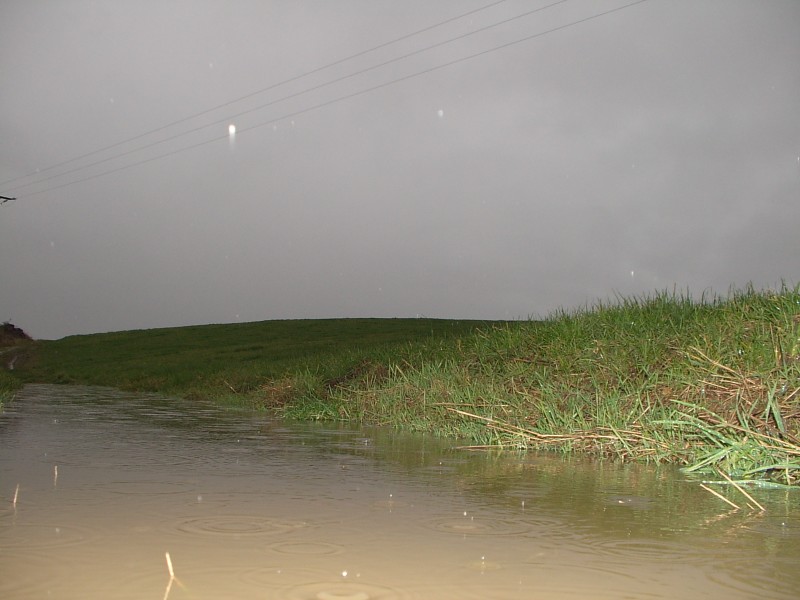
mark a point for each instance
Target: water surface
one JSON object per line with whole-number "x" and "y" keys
{"x": 107, "y": 483}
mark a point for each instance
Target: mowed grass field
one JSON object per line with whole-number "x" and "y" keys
{"x": 710, "y": 384}
{"x": 217, "y": 361}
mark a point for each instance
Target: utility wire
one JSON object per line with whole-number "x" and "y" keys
{"x": 349, "y": 96}
{"x": 289, "y": 97}
{"x": 252, "y": 94}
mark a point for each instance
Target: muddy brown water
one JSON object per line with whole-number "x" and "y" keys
{"x": 106, "y": 483}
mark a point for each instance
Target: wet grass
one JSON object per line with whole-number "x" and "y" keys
{"x": 234, "y": 362}
{"x": 712, "y": 385}
{"x": 8, "y": 385}
{"x": 11, "y": 350}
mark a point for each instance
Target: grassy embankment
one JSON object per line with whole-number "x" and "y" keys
{"x": 712, "y": 385}
{"x": 13, "y": 343}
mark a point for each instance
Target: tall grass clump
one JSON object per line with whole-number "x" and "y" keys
{"x": 710, "y": 384}
{"x": 8, "y": 385}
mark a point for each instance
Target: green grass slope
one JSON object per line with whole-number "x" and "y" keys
{"x": 217, "y": 361}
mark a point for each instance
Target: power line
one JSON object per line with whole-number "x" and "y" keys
{"x": 284, "y": 98}
{"x": 250, "y": 95}
{"x": 348, "y": 96}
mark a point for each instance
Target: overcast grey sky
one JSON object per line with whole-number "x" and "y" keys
{"x": 652, "y": 147}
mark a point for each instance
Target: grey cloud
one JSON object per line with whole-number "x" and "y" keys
{"x": 660, "y": 140}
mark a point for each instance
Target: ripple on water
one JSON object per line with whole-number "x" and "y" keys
{"x": 278, "y": 576}
{"x": 472, "y": 525}
{"x": 443, "y": 466}
{"x": 631, "y": 502}
{"x": 147, "y": 488}
{"x": 238, "y": 525}
{"x": 662, "y": 551}
{"x": 44, "y": 536}
{"x": 343, "y": 590}
{"x": 779, "y": 526}
{"x": 389, "y": 504}
{"x": 309, "y": 548}
{"x": 192, "y": 581}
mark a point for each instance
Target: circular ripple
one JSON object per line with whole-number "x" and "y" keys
{"x": 238, "y": 525}
{"x": 342, "y": 591}
{"x": 306, "y": 548}
{"x": 662, "y": 551}
{"x": 45, "y": 536}
{"x": 278, "y": 575}
{"x": 477, "y": 526}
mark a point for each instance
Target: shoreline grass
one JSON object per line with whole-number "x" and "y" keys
{"x": 712, "y": 385}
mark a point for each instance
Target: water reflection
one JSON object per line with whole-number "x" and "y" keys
{"x": 253, "y": 508}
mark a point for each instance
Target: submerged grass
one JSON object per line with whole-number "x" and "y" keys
{"x": 710, "y": 384}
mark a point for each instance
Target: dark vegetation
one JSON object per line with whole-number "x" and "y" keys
{"x": 11, "y": 334}
{"x": 13, "y": 344}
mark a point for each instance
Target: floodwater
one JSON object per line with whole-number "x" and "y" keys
{"x": 97, "y": 486}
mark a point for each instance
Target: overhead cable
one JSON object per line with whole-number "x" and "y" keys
{"x": 348, "y": 96}
{"x": 251, "y": 94}
{"x": 284, "y": 98}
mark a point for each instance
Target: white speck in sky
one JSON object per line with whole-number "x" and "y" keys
{"x": 631, "y": 274}
{"x": 440, "y": 112}
{"x": 231, "y": 130}
{"x": 211, "y": 65}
